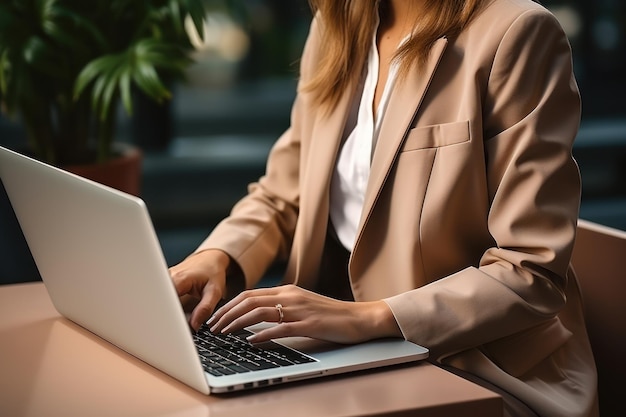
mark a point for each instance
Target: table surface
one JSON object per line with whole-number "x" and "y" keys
{"x": 50, "y": 366}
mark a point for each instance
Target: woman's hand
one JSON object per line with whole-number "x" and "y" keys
{"x": 305, "y": 313}
{"x": 201, "y": 277}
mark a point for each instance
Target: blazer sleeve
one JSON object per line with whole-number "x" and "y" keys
{"x": 260, "y": 227}
{"x": 531, "y": 115}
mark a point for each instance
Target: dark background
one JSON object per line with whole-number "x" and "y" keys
{"x": 200, "y": 154}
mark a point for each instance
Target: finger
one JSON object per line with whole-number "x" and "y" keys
{"x": 258, "y": 315}
{"x": 250, "y": 294}
{"x": 277, "y": 332}
{"x": 227, "y": 314}
{"x": 205, "y": 307}
{"x": 250, "y": 311}
{"x": 218, "y": 313}
{"x": 188, "y": 302}
{"x": 181, "y": 283}
{"x": 239, "y": 305}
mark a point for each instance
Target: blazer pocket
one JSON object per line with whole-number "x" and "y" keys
{"x": 521, "y": 352}
{"x": 436, "y": 136}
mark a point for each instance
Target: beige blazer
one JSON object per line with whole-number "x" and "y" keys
{"x": 470, "y": 212}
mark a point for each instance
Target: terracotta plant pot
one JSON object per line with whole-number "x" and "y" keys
{"x": 122, "y": 173}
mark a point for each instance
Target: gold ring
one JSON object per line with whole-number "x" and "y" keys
{"x": 281, "y": 316}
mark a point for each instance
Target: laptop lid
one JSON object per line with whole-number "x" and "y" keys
{"x": 101, "y": 262}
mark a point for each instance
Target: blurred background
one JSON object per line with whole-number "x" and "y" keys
{"x": 203, "y": 147}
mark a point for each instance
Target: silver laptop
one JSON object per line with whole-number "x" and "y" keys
{"x": 101, "y": 262}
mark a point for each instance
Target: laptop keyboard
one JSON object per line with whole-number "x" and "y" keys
{"x": 228, "y": 354}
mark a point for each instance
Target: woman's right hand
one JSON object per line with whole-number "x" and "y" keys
{"x": 201, "y": 277}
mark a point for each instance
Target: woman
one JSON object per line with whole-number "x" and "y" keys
{"x": 426, "y": 190}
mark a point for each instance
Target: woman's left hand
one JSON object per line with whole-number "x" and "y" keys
{"x": 304, "y": 313}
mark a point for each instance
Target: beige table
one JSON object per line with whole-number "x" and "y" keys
{"x": 51, "y": 367}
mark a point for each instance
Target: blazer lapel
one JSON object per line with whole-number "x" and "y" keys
{"x": 315, "y": 186}
{"x": 404, "y": 103}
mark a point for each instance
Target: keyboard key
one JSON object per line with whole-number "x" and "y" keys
{"x": 229, "y": 354}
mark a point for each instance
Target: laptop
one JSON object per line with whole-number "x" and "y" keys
{"x": 100, "y": 259}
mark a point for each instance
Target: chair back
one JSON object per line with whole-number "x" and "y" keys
{"x": 599, "y": 260}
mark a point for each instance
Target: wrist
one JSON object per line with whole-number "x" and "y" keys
{"x": 222, "y": 259}
{"x": 383, "y": 321}
{"x": 216, "y": 258}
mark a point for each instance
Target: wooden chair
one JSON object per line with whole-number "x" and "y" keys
{"x": 600, "y": 262}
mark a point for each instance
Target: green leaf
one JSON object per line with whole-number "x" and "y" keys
{"x": 83, "y": 27}
{"x": 176, "y": 16}
{"x": 96, "y": 92}
{"x": 4, "y": 64}
{"x": 40, "y": 56}
{"x": 160, "y": 55}
{"x": 125, "y": 82}
{"x": 105, "y": 102}
{"x": 147, "y": 79}
{"x": 197, "y": 12}
{"x": 45, "y": 7}
{"x": 84, "y": 78}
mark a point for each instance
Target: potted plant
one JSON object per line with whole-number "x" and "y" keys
{"x": 65, "y": 66}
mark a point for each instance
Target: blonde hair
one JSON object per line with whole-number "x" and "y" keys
{"x": 348, "y": 28}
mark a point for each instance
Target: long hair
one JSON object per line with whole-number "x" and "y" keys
{"x": 348, "y": 28}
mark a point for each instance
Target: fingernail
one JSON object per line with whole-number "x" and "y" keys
{"x": 252, "y": 338}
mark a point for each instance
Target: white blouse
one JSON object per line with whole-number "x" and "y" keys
{"x": 352, "y": 171}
